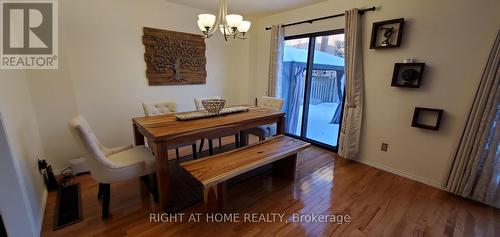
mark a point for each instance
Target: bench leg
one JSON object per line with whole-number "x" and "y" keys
{"x": 215, "y": 197}
{"x": 286, "y": 167}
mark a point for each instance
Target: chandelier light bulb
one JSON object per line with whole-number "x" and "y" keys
{"x": 201, "y": 26}
{"x": 206, "y": 20}
{"x": 233, "y": 20}
{"x": 244, "y": 26}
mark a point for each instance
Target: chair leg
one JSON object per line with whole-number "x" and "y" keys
{"x": 237, "y": 140}
{"x": 220, "y": 142}
{"x": 106, "y": 193}
{"x": 201, "y": 144}
{"x": 177, "y": 153}
{"x": 155, "y": 188}
{"x": 210, "y": 147}
{"x": 244, "y": 136}
{"x": 99, "y": 191}
{"x": 145, "y": 180}
{"x": 195, "y": 154}
{"x": 150, "y": 182}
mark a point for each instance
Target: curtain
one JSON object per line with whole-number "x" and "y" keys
{"x": 475, "y": 172}
{"x": 339, "y": 82}
{"x": 353, "y": 108}
{"x": 276, "y": 60}
{"x": 296, "y": 100}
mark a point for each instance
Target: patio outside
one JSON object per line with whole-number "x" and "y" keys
{"x": 319, "y": 124}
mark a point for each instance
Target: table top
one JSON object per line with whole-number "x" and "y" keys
{"x": 167, "y": 126}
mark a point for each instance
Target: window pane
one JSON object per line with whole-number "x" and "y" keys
{"x": 327, "y": 90}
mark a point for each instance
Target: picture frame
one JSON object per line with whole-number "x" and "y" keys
{"x": 408, "y": 75}
{"x": 387, "y": 34}
{"x": 427, "y": 118}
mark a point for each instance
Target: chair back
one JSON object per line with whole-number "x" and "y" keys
{"x": 153, "y": 108}
{"x": 271, "y": 103}
{"x": 198, "y": 100}
{"x": 95, "y": 153}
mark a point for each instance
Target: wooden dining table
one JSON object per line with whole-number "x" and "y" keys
{"x": 177, "y": 190}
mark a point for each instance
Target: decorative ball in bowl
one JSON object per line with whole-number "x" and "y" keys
{"x": 213, "y": 106}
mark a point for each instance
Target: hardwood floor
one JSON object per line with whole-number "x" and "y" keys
{"x": 378, "y": 204}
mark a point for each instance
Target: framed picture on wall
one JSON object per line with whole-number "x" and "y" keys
{"x": 408, "y": 75}
{"x": 427, "y": 118}
{"x": 387, "y": 34}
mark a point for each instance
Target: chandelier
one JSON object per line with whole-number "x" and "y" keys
{"x": 231, "y": 26}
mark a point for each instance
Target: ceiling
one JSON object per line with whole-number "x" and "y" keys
{"x": 248, "y": 7}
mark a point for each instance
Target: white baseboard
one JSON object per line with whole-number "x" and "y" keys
{"x": 401, "y": 173}
{"x": 42, "y": 212}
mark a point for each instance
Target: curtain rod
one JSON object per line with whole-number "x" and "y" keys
{"x": 361, "y": 11}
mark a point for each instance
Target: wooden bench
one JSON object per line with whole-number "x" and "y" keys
{"x": 213, "y": 172}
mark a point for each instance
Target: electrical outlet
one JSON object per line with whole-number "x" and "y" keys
{"x": 42, "y": 164}
{"x": 384, "y": 146}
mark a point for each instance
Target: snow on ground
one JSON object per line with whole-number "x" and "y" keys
{"x": 319, "y": 127}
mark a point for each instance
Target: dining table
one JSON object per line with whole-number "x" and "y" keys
{"x": 176, "y": 189}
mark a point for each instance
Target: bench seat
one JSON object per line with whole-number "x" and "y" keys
{"x": 213, "y": 172}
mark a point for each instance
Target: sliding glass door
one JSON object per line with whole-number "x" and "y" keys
{"x": 312, "y": 86}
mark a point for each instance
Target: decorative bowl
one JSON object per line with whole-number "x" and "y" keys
{"x": 213, "y": 106}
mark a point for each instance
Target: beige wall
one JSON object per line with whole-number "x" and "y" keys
{"x": 453, "y": 38}
{"x": 102, "y": 76}
{"x": 23, "y": 193}
{"x": 102, "y": 71}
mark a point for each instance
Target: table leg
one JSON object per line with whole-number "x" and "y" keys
{"x": 162, "y": 175}
{"x": 138, "y": 137}
{"x": 280, "y": 126}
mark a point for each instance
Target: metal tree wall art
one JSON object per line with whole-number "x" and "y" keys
{"x": 174, "y": 58}
{"x": 173, "y": 53}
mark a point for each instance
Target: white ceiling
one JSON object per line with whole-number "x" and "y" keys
{"x": 248, "y": 7}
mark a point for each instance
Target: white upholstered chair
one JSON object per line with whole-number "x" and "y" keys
{"x": 110, "y": 165}
{"x": 199, "y": 106}
{"x": 270, "y": 129}
{"x": 154, "y": 108}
